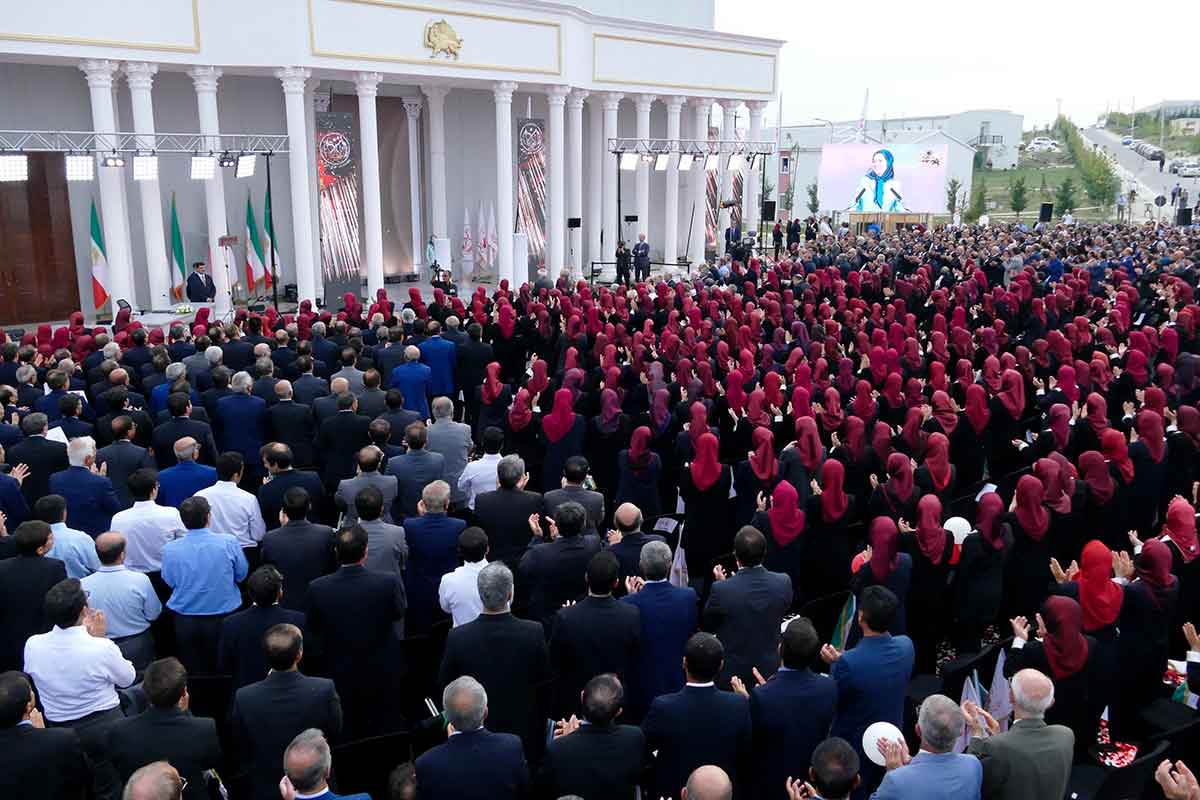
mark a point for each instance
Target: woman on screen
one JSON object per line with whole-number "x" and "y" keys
{"x": 879, "y": 190}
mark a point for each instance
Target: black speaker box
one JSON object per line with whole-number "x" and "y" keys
{"x": 574, "y": 222}
{"x": 1046, "y": 213}
{"x": 291, "y": 293}
{"x": 1183, "y": 216}
{"x": 768, "y": 210}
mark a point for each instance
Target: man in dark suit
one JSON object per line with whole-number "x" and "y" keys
{"x": 599, "y": 759}
{"x": 432, "y": 538}
{"x": 302, "y": 550}
{"x": 369, "y": 460}
{"x": 575, "y": 472}
{"x": 284, "y": 354}
{"x": 497, "y": 765}
{"x": 42, "y": 456}
{"x": 236, "y": 353}
{"x": 179, "y": 348}
{"x": 356, "y": 622}
{"x": 596, "y": 635}
{"x": 91, "y": 499}
{"x": 122, "y": 458}
{"x": 326, "y": 406}
{"x": 179, "y": 426}
{"x": 745, "y": 610}
{"x": 791, "y": 713}
{"x": 36, "y": 762}
{"x": 263, "y": 386}
{"x": 373, "y": 400}
{"x": 166, "y": 731}
{"x": 241, "y": 418}
{"x": 552, "y": 571}
{"x": 200, "y": 286}
{"x": 669, "y": 616}
{"x": 24, "y": 581}
{"x": 414, "y": 470}
{"x": 507, "y": 655}
{"x": 282, "y": 476}
{"x": 69, "y": 408}
{"x": 118, "y": 403}
{"x": 397, "y": 416}
{"x": 267, "y": 715}
{"x": 440, "y": 355}
{"x": 292, "y": 424}
{"x": 240, "y": 653}
{"x": 699, "y": 725}
{"x": 137, "y": 356}
{"x": 219, "y": 388}
{"x": 504, "y": 513}
{"x": 339, "y": 440}
{"x": 308, "y": 386}
{"x": 388, "y": 357}
{"x": 473, "y": 358}
{"x": 627, "y": 541}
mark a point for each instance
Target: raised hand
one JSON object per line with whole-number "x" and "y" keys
{"x": 829, "y": 653}
{"x": 634, "y": 584}
{"x": 1057, "y": 572}
{"x": 1020, "y": 627}
{"x": 1193, "y": 638}
{"x": 719, "y": 573}
{"x": 20, "y": 472}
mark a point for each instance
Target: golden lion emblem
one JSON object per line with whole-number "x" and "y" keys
{"x": 441, "y": 39}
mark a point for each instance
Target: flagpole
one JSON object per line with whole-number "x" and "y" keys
{"x": 271, "y": 226}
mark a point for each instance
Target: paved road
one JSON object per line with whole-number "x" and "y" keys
{"x": 1134, "y": 168}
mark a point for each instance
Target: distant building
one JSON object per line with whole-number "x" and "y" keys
{"x": 1170, "y": 107}
{"x": 1185, "y": 126}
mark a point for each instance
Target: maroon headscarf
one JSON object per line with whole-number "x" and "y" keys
{"x": 834, "y": 501}
{"x": 885, "y": 548}
{"x": 705, "y": 468}
{"x": 1032, "y": 515}
{"x": 787, "y": 520}
{"x": 561, "y": 418}
{"x": 931, "y": 536}
{"x": 1065, "y": 646}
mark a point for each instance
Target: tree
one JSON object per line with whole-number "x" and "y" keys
{"x": 1017, "y": 196}
{"x": 814, "y": 205}
{"x": 1064, "y": 198}
{"x": 952, "y": 187}
{"x": 1044, "y": 190}
{"x": 978, "y": 203}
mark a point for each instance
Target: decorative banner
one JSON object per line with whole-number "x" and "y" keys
{"x": 713, "y": 239}
{"x": 735, "y": 216}
{"x": 338, "y": 201}
{"x": 531, "y": 189}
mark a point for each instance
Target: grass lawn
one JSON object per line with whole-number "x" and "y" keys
{"x": 1053, "y": 167}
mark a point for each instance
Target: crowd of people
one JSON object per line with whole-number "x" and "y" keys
{"x": 598, "y": 523}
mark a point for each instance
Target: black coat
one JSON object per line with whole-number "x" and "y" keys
{"x": 504, "y": 515}
{"x": 550, "y": 574}
{"x": 745, "y": 612}
{"x": 270, "y": 494}
{"x": 188, "y": 743}
{"x": 168, "y": 433}
{"x": 303, "y": 552}
{"x": 308, "y": 388}
{"x": 38, "y": 764}
{"x": 694, "y": 727}
{"x": 473, "y": 358}
{"x": 44, "y": 457}
{"x": 599, "y": 762}
{"x": 340, "y": 438}
{"x": 123, "y": 459}
{"x": 293, "y": 424}
{"x": 594, "y": 636}
{"x": 240, "y": 652}
{"x": 24, "y": 581}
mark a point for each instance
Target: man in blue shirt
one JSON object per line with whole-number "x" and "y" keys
{"x": 74, "y": 548}
{"x": 936, "y": 772}
{"x": 415, "y": 380}
{"x": 203, "y": 570}
{"x": 127, "y": 599}
{"x": 178, "y": 483}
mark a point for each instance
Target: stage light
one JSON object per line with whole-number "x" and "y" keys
{"x": 685, "y": 161}
{"x": 661, "y": 161}
{"x": 629, "y": 161}
{"x": 81, "y": 168}
{"x": 145, "y": 168}
{"x": 711, "y": 162}
{"x": 245, "y": 165}
{"x": 203, "y": 168}
{"x": 227, "y": 159}
{"x": 736, "y": 161}
{"x": 14, "y": 168}
{"x": 113, "y": 159}
{"x": 647, "y": 158}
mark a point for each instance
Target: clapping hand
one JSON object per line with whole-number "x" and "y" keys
{"x": 816, "y": 487}
{"x": 739, "y": 686}
{"x": 830, "y": 654}
{"x": 798, "y": 789}
{"x": 1020, "y": 627}
{"x": 1060, "y": 575}
{"x": 1134, "y": 540}
{"x": 762, "y": 502}
{"x": 904, "y": 526}
{"x": 979, "y": 719}
{"x": 895, "y": 754}
{"x": 874, "y": 481}
{"x": 1177, "y": 781}
{"x": 634, "y": 584}
{"x": 1193, "y": 638}
{"x": 1123, "y": 565}
{"x": 719, "y": 573}
{"x": 565, "y": 727}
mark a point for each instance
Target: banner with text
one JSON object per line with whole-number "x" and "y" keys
{"x": 531, "y": 191}
{"x": 338, "y": 203}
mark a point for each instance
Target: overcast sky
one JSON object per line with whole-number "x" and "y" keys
{"x": 943, "y": 56}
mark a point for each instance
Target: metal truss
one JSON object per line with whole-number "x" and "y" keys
{"x": 159, "y": 143}
{"x": 693, "y": 146}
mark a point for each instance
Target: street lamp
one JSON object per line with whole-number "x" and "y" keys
{"x": 830, "y": 124}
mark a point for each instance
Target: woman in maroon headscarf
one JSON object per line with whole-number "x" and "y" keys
{"x": 829, "y": 512}
{"x": 1183, "y": 450}
{"x": 755, "y": 475}
{"x": 887, "y": 566}
{"x": 931, "y": 548}
{"x": 563, "y": 435}
{"x": 1007, "y": 424}
{"x": 1179, "y": 534}
{"x": 704, "y": 486}
{"x": 897, "y": 496}
{"x": 979, "y": 584}
{"x": 638, "y": 471}
{"x": 801, "y": 459}
{"x": 1061, "y": 651}
{"x": 508, "y": 345}
{"x": 494, "y": 397}
{"x": 1148, "y": 492}
{"x": 782, "y": 522}
{"x": 1027, "y": 573}
{"x": 608, "y": 433}
{"x": 522, "y": 434}
{"x": 937, "y": 475}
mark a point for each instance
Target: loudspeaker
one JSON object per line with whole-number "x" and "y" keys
{"x": 768, "y": 210}
{"x": 631, "y": 217}
{"x": 574, "y": 222}
{"x": 291, "y": 293}
{"x": 1183, "y": 216}
{"x": 410, "y": 277}
{"x": 1046, "y": 213}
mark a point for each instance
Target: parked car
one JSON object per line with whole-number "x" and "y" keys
{"x": 1127, "y": 140}
{"x": 1191, "y": 170}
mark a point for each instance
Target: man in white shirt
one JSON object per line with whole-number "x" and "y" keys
{"x": 126, "y": 598}
{"x": 77, "y": 671}
{"x": 147, "y": 525}
{"x": 458, "y": 593}
{"x": 74, "y": 548}
{"x": 235, "y": 511}
{"x": 480, "y": 476}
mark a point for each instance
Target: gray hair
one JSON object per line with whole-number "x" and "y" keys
{"x": 443, "y": 408}
{"x": 185, "y": 449}
{"x": 111, "y": 350}
{"x": 155, "y": 781}
{"x": 412, "y": 353}
{"x": 495, "y": 584}
{"x": 175, "y": 371}
{"x": 241, "y": 382}
{"x": 465, "y": 703}
{"x": 655, "y": 561}
{"x": 407, "y": 316}
{"x": 509, "y": 470}
{"x": 262, "y": 350}
{"x": 318, "y": 328}
{"x": 214, "y": 355}
{"x": 80, "y": 449}
{"x": 67, "y": 366}
{"x": 26, "y": 373}
{"x": 452, "y": 322}
{"x": 1033, "y": 693}
{"x": 436, "y": 497}
{"x": 315, "y": 760}
{"x": 941, "y": 722}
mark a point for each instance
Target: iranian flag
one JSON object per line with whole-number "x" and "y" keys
{"x": 99, "y": 263}
{"x": 177, "y": 264}
{"x": 270, "y": 255}
{"x": 255, "y": 271}
{"x": 468, "y": 241}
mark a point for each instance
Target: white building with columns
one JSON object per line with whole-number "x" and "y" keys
{"x": 435, "y": 130}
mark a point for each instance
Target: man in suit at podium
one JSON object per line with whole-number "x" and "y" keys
{"x": 200, "y": 286}
{"x": 641, "y": 258}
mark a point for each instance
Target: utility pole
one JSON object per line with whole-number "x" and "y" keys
{"x": 1162, "y": 125}
{"x": 1059, "y": 101}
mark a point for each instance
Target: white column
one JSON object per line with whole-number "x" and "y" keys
{"x": 366, "y": 84}
{"x": 556, "y": 98}
{"x": 205, "y": 80}
{"x": 116, "y": 241}
{"x": 575, "y": 169}
{"x": 671, "y": 228}
{"x": 436, "y": 99}
{"x": 644, "y": 103}
{"x": 702, "y": 112}
{"x": 608, "y": 168}
{"x": 728, "y": 133}
{"x": 596, "y": 158}
{"x": 293, "y": 80}
{"x": 140, "y": 77}
{"x": 503, "y": 92}
{"x": 751, "y": 202}
{"x": 313, "y": 103}
{"x": 412, "y": 112}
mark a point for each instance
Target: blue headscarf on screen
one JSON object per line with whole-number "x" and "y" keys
{"x": 880, "y": 180}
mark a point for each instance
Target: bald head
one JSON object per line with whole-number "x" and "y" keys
{"x": 118, "y": 377}
{"x": 262, "y": 350}
{"x": 283, "y": 390}
{"x": 1032, "y": 694}
{"x": 157, "y": 781}
{"x": 628, "y": 518}
{"x": 708, "y": 783}
{"x": 339, "y": 386}
{"x": 186, "y": 449}
{"x": 110, "y": 547}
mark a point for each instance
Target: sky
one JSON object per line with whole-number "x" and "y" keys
{"x": 945, "y": 56}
